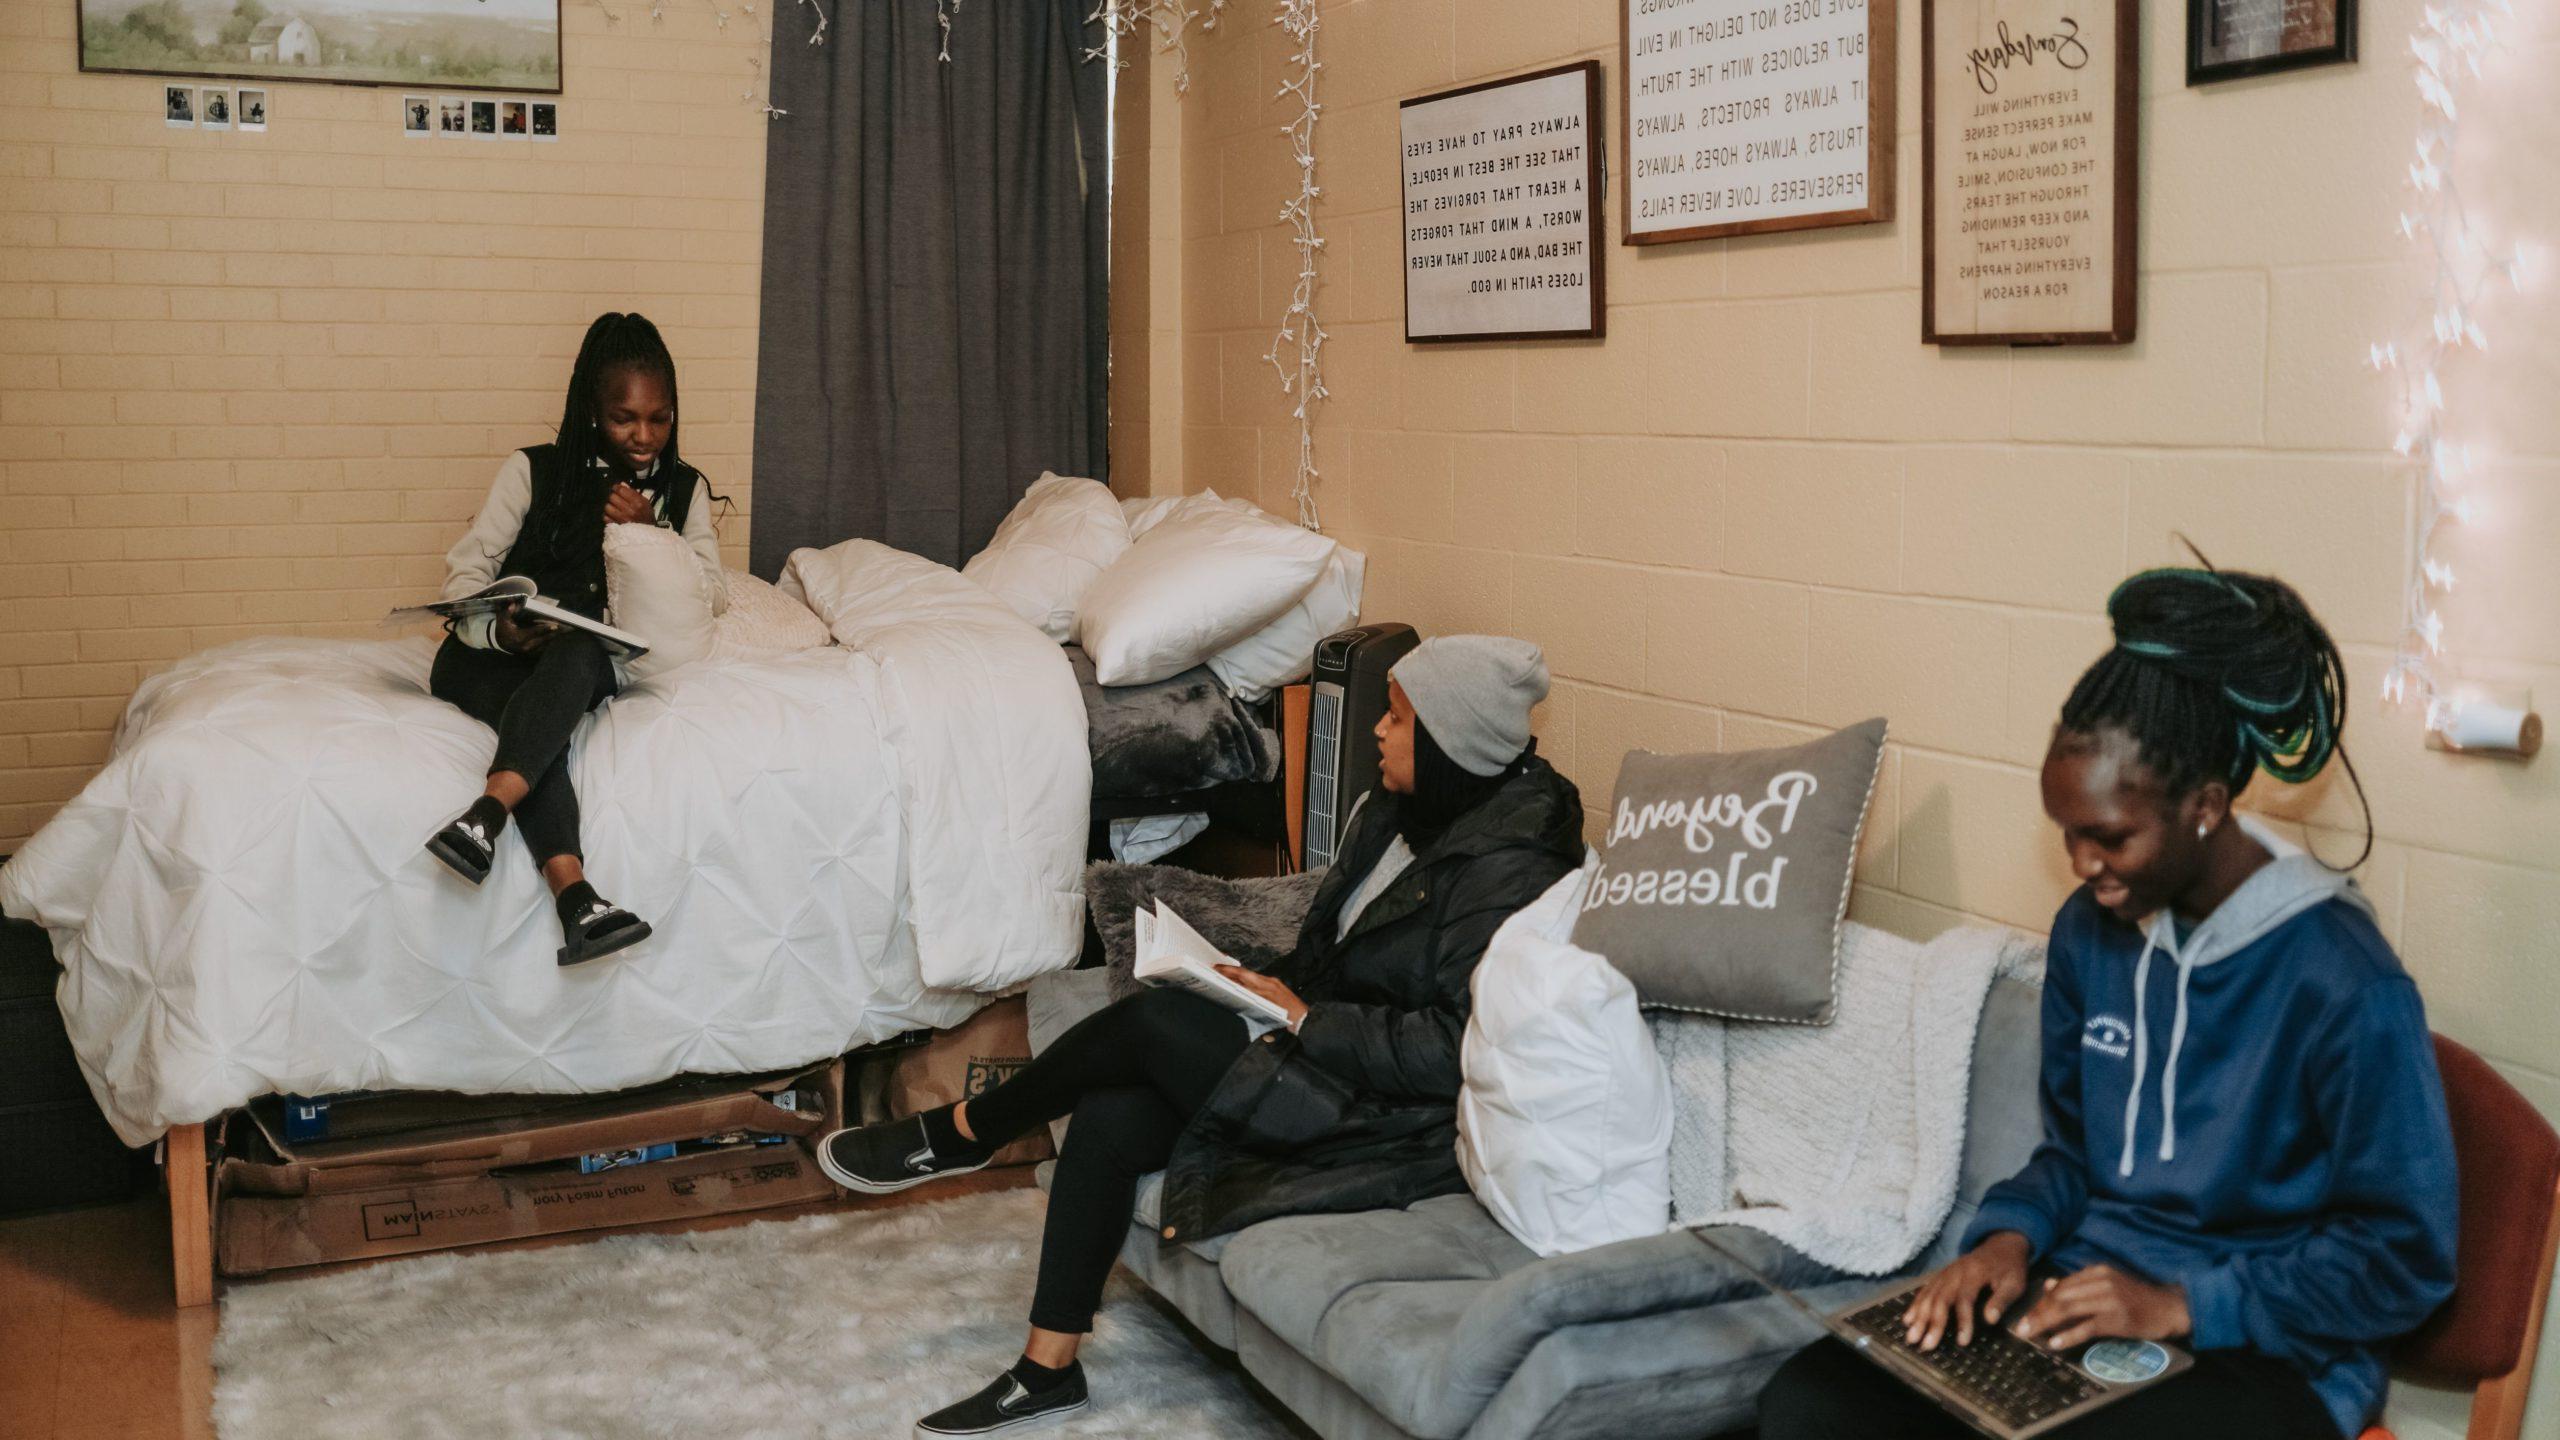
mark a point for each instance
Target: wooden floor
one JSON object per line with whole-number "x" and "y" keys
{"x": 93, "y": 1346}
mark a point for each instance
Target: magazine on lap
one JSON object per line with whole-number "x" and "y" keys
{"x": 518, "y": 591}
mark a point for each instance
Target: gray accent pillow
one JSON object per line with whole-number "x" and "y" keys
{"x": 1724, "y": 878}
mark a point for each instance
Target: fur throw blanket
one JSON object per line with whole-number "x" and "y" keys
{"x": 1255, "y": 921}
{"x": 1843, "y": 1141}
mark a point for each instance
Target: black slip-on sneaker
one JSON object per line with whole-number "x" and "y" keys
{"x": 885, "y": 1158}
{"x": 1008, "y": 1405}
{"x": 605, "y": 929}
{"x": 465, "y": 847}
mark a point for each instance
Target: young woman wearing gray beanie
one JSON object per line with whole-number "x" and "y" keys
{"x": 1352, "y": 1106}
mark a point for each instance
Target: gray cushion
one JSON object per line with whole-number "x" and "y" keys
{"x": 1724, "y": 879}
{"x": 1427, "y": 1312}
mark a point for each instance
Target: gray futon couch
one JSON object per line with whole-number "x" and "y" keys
{"x": 1433, "y": 1322}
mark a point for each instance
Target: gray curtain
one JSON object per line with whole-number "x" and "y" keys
{"x": 935, "y": 252}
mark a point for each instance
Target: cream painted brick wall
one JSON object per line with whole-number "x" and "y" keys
{"x": 257, "y": 383}
{"x": 1761, "y": 506}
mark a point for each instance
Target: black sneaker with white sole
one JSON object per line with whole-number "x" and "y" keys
{"x": 1008, "y": 1405}
{"x": 886, "y": 1158}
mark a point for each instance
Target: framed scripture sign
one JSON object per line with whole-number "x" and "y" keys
{"x": 1502, "y": 209}
{"x": 2027, "y": 152}
{"x": 2227, "y": 39}
{"x": 1745, "y": 116}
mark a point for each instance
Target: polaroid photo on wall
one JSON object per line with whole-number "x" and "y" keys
{"x": 217, "y": 109}
{"x": 453, "y": 117}
{"x": 417, "y": 116}
{"x": 546, "y": 120}
{"x": 511, "y": 121}
{"x": 251, "y": 110}
{"x": 484, "y": 119}
{"x": 180, "y": 113}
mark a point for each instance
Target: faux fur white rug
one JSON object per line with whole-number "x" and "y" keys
{"x": 850, "y": 1325}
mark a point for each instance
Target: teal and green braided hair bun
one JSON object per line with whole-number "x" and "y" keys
{"x": 2215, "y": 675}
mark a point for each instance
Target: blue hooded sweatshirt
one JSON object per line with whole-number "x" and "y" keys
{"x": 2250, "y": 1112}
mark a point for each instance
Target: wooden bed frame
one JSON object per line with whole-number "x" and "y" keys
{"x": 191, "y": 1181}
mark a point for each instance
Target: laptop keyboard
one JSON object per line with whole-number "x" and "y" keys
{"x": 2018, "y": 1381}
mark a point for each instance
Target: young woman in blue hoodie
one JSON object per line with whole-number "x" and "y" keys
{"x": 2246, "y": 1149}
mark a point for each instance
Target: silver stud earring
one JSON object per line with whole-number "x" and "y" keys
{"x": 2204, "y": 832}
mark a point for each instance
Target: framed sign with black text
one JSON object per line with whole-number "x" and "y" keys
{"x": 2227, "y": 39}
{"x": 1746, "y": 116}
{"x": 2028, "y": 146}
{"x": 1502, "y": 209}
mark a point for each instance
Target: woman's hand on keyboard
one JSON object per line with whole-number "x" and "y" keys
{"x": 1991, "y": 1277}
{"x": 2103, "y": 1302}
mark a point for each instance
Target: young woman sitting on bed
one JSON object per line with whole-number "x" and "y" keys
{"x": 1353, "y": 1105}
{"x": 614, "y": 463}
{"x": 2246, "y": 1149}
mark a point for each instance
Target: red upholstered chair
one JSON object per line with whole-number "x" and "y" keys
{"x": 2485, "y": 1336}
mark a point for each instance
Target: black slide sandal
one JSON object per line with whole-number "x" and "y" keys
{"x": 463, "y": 849}
{"x": 603, "y": 930}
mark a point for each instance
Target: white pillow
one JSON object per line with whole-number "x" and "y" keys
{"x": 1564, "y": 1124}
{"x": 1202, "y": 579}
{"x": 1143, "y": 513}
{"x": 1061, "y": 535}
{"x": 1283, "y": 652}
{"x": 761, "y": 620}
{"x": 655, "y": 587}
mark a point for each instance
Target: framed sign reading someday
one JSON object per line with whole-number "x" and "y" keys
{"x": 2027, "y": 192}
{"x": 2227, "y": 39}
{"x": 1746, "y": 116}
{"x": 1502, "y": 209}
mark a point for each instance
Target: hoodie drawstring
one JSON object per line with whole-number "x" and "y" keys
{"x": 2141, "y": 1048}
{"x": 2169, "y": 1072}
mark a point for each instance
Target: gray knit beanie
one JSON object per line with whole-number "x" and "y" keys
{"x": 1473, "y": 693}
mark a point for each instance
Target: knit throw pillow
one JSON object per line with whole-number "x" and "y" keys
{"x": 1725, "y": 878}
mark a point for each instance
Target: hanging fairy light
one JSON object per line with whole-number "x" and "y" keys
{"x": 1170, "y": 19}
{"x": 2465, "y": 275}
{"x": 1297, "y": 351}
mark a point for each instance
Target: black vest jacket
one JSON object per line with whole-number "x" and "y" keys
{"x": 560, "y": 546}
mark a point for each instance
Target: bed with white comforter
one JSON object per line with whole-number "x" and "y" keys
{"x": 834, "y": 845}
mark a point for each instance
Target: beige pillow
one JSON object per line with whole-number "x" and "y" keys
{"x": 1724, "y": 878}
{"x": 761, "y": 620}
{"x": 655, "y": 587}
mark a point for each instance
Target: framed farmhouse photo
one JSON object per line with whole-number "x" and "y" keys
{"x": 465, "y": 44}
{"x": 2227, "y": 39}
{"x": 1502, "y": 193}
{"x": 2028, "y": 142}
{"x": 1740, "y": 117}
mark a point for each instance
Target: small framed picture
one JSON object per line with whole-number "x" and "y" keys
{"x": 181, "y": 112}
{"x": 217, "y": 109}
{"x": 2227, "y": 39}
{"x": 546, "y": 120}
{"x": 417, "y": 116}
{"x": 484, "y": 119}
{"x": 252, "y": 111}
{"x": 511, "y": 120}
{"x": 453, "y": 117}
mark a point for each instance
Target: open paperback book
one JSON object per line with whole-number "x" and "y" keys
{"x": 519, "y": 591}
{"x": 1170, "y": 952}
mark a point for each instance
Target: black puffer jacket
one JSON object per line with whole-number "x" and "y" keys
{"x": 1358, "y": 1110}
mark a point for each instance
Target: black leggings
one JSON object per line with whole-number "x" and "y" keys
{"x": 1132, "y": 1075}
{"x": 534, "y": 702}
{"x": 1826, "y": 1393}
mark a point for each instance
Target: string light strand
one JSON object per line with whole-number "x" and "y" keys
{"x": 2464, "y": 275}
{"x": 1297, "y": 351}
{"x": 1171, "y": 21}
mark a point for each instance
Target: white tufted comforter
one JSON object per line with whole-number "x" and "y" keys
{"x": 834, "y": 845}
